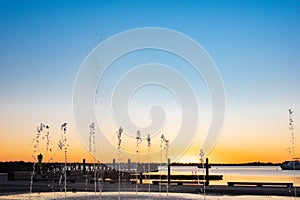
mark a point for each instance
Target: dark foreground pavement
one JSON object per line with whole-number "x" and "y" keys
{"x": 22, "y": 186}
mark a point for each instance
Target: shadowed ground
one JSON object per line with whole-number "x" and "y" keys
{"x": 22, "y": 186}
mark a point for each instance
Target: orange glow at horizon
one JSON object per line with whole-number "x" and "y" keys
{"x": 222, "y": 153}
{"x": 263, "y": 142}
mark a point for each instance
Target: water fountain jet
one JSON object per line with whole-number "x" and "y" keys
{"x": 36, "y": 147}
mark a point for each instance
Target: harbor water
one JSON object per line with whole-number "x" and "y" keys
{"x": 242, "y": 173}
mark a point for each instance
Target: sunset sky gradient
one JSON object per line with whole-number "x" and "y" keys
{"x": 254, "y": 44}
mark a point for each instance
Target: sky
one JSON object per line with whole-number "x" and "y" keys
{"x": 254, "y": 44}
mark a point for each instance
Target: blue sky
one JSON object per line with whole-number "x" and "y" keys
{"x": 255, "y": 45}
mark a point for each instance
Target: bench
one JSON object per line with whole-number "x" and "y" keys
{"x": 178, "y": 182}
{"x": 260, "y": 184}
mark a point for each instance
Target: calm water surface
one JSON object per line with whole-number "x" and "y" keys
{"x": 244, "y": 173}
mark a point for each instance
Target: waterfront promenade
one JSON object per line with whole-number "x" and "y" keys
{"x": 22, "y": 186}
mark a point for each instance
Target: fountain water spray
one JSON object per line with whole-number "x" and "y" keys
{"x": 138, "y": 142}
{"x": 165, "y": 145}
{"x": 204, "y": 177}
{"x": 160, "y": 161}
{"x": 119, "y": 132}
{"x": 36, "y": 142}
{"x": 149, "y": 149}
{"x": 292, "y": 141}
{"x": 50, "y": 160}
{"x": 62, "y": 144}
{"x": 92, "y": 149}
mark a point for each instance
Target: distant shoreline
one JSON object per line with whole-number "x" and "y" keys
{"x": 174, "y": 163}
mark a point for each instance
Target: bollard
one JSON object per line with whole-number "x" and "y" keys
{"x": 141, "y": 178}
{"x": 83, "y": 166}
{"x": 129, "y": 165}
{"x": 207, "y": 172}
{"x": 114, "y": 164}
{"x": 169, "y": 171}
